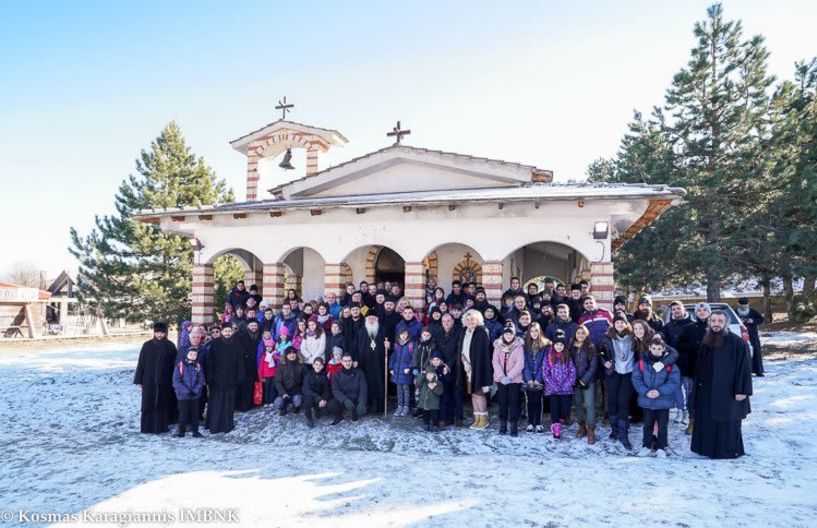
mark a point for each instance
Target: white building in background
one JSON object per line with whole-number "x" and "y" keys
{"x": 409, "y": 214}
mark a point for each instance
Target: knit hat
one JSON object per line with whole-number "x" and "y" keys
{"x": 560, "y": 338}
{"x": 160, "y": 327}
{"x": 436, "y": 354}
{"x": 269, "y": 343}
{"x": 620, "y": 299}
{"x": 284, "y": 331}
{"x": 645, "y": 299}
{"x": 313, "y": 318}
{"x": 703, "y": 305}
{"x": 509, "y": 327}
{"x": 290, "y": 350}
{"x": 620, "y": 316}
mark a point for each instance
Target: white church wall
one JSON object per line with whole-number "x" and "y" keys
{"x": 313, "y": 274}
{"x": 449, "y": 256}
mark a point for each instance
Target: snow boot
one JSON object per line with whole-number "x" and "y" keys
{"x": 691, "y": 426}
{"x": 591, "y": 434}
{"x": 337, "y": 420}
{"x": 514, "y": 429}
{"x": 283, "y": 411}
{"x": 503, "y": 427}
{"x": 582, "y": 432}
{"x": 435, "y": 428}
{"x": 613, "y": 428}
{"x": 556, "y": 429}
{"x": 197, "y": 434}
{"x": 308, "y": 415}
{"x": 180, "y": 431}
{"x": 623, "y": 433}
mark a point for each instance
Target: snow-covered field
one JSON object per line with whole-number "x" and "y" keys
{"x": 69, "y": 441}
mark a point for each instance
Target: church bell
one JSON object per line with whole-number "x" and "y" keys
{"x": 285, "y": 163}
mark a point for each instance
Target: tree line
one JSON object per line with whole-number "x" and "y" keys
{"x": 744, "y": 146}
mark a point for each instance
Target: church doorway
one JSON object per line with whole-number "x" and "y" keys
{"x": 390, "y": 267}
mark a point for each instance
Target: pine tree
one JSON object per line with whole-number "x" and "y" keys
{"x": 133, "y": 270}
{"x": 717, "y": 111}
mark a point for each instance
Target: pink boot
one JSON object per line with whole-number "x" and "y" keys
{"x": 556, "y": 429}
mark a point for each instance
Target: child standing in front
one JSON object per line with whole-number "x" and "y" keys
{"x": 656, "y": 383}
{"x": 430, "y": 383}
{"x": 400, "y": 370}
{"x": 559, "y": 376}
{"x": 267, "y": 361}
{"x": 188, "y": 382}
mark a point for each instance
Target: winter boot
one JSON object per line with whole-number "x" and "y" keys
{"x": 308, "y": 415}
{"x": 691, "y": 426}
{"x": 180, "y": 431}
{"x": 283, "y": 411}
{"x": 197, "y": 434}
{"x": 355, "y": 417}
{"x": 623, "y": 433}
{"x": 591, "y": 434}
{"x": 338, "y": 419}
{"x": 582, "y": 432}
{"x": 613, "y": 428}
{"x": 296, "y": 409}
{"x": 503, "y": 427}
{"x": 557, "y": 430}
{"x": 514, "y": 429}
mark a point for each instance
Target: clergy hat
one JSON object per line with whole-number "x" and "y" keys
{"x": 575, "y": 287}
{"x": 743, "y": 300}
{"x": 371, "y": 314}
{"x": 226, "y": 324}
{"x": 159, "y": 326}
{"x": 390, "y": 299}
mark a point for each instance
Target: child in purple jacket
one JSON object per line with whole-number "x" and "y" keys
{"x": 188, "y": 382}
{"x": 559, "y": 376}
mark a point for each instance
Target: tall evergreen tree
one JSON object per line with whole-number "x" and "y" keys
{"x": 133, "y": 270}
{"x": 717, "y": 111}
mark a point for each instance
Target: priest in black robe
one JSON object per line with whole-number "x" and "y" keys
{"x": 352, "y": 328}
{"x": 154, "y": 375}
{"x": 371, "y": 354}
{"x": 224, "y": 371}
{"x": 248, "y": 340}
{"x": 723, "y": 384}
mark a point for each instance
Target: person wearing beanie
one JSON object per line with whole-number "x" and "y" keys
{"x": 655, "y": 381}
{"x": 435, "y": 321}
{"x": 492, "y": 324}
{"x": 154, "y": 375}
{"x": 618, "y": 357}
{"x": 619, "y": 304}
{"x": 689, "y": 348}
{"x": 334, "y": 364}
{"x": 508, "y": 363}
{"x": 559, "y": 378}
{"x": 646, "y": 313}
{"x": 575, "y": 302}
{"x": 429, "y": 385}
{"x": 752, "y": 319}
{"x": 426, "y": 346}
{"x": 289, "y": 378}
{"x": 188, "y": 382}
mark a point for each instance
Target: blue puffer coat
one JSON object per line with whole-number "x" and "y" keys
{"x": 666, "y": 381}
{"x": 188, "y": 380}
{"x": 399, "y": 361}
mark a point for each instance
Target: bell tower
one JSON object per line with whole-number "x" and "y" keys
{"x": 278, "y": 138}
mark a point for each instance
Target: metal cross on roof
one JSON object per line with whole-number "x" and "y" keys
{"x": 398, "y": 134}
{"x": 284, "y": 107}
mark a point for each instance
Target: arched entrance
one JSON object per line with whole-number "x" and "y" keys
{"x": 389, "y": 266}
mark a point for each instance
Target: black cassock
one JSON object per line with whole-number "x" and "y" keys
{"x": 224, "y": 371}
{"x": 249, "y": 352}
{"x": 154, "y": 372}
{"x": 351, "y": 334}
{"x": 370, "y": 355}
{"x": 754, "y": 338}
{"x": 721, "y": 373}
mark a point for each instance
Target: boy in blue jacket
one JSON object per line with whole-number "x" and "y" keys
{"x": 656, "y": 383}
{"x": 188, "y": 382}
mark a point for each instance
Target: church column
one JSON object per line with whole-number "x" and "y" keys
{"x": 492, "y": 281}
{"x": 333, "y": 279}
{"x": 273, "y": 284}
{"x": 415, "y": 290}
{"x": 602, "y": 284}
{"x": 312, "y": 159}
{"x": 252, "y": 176}
{"x": 203, "y": 294}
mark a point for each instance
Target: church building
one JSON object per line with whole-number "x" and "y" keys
{"x": 408, "y": 214}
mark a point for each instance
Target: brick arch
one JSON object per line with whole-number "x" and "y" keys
{"x": 371, "y": 258}
{"x": 467, "y": 269}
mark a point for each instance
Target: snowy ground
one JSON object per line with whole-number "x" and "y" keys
{"x": 70, "y": 443}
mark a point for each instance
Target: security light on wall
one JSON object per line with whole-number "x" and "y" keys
{"x": 600, "y": 230}
{"x": 195, "y": 244}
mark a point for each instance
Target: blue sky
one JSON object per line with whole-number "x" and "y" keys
{"x": 86, "y": 85}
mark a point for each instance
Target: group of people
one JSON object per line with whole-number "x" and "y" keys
{"x": 538, "y": 353}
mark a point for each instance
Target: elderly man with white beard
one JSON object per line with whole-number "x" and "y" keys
{"x": 372, "y": 355}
